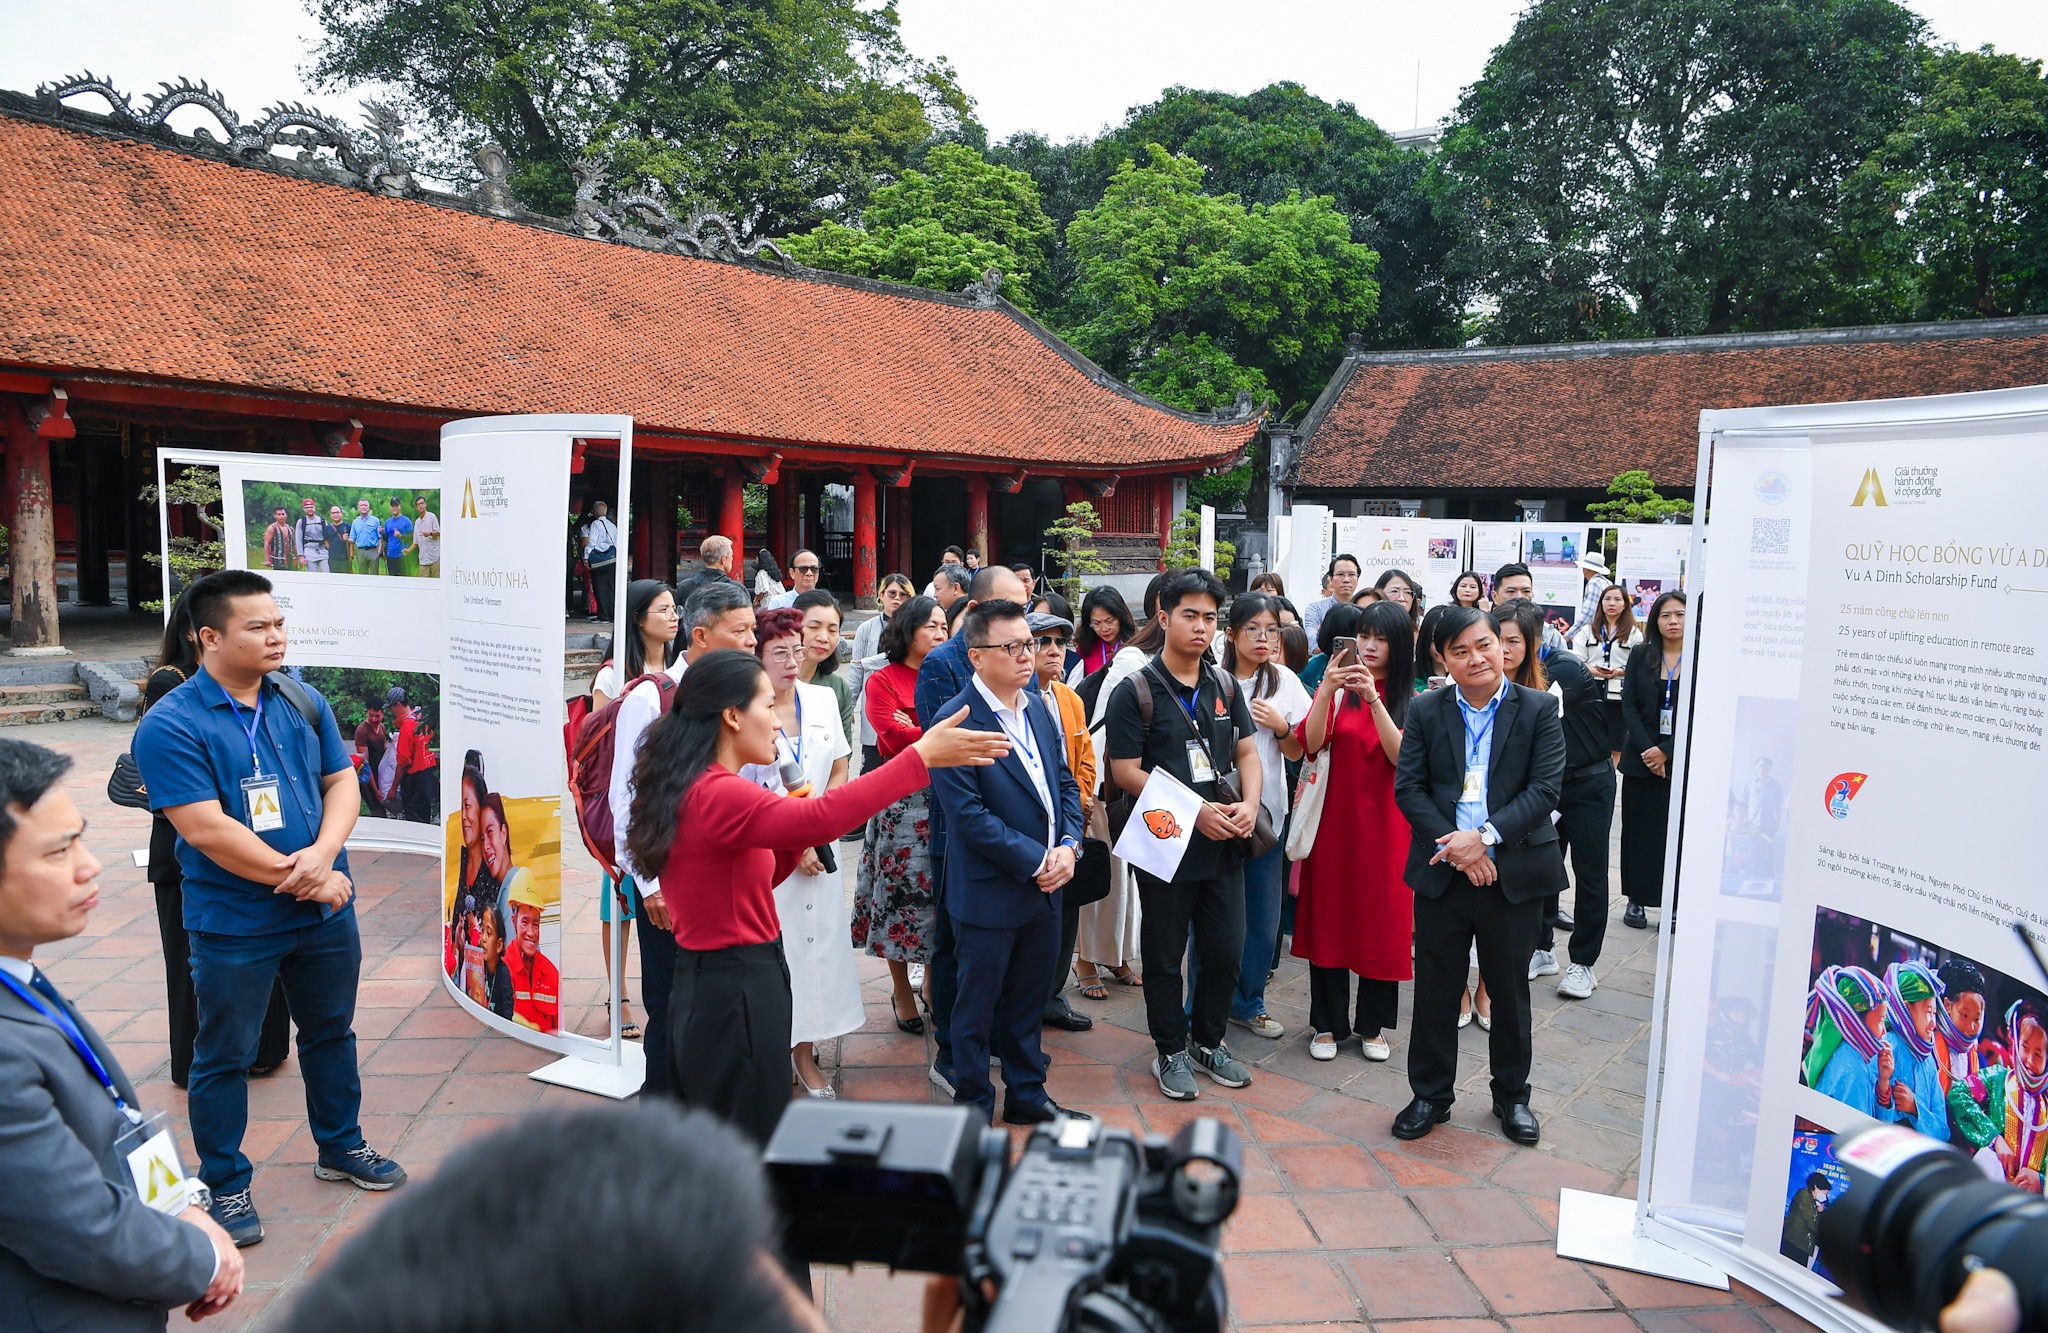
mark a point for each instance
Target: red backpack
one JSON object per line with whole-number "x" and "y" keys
{"x": 591, "y": 739}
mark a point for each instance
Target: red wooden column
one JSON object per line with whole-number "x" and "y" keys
{"x": 732, "y": 512}
{"x": 32, "y": 523}
{"x": 780, "y": 496}
{"x": 863, "y": 538}
{"x": 977, "y": 515}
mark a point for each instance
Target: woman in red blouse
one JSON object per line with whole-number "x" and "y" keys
{"x": 730, "y": 1010}
{"x": 895, "y": 903}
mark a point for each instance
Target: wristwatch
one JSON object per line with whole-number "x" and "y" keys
{"x": 201, "y": 1196}
{"x": 1488, "y": 835}
{"x": 1071, "y": 844}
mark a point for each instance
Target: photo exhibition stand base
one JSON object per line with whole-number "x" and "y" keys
{"x": 1601, "y": 1229}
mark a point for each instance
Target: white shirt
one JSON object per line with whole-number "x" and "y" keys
{"x": 1291, "y": 697}
{"x": 427, "y": 531}
{"x": 21, "y": 969}
{"x": 637, "y": 712}
{"x": 779, "y": 600}
{"x": 864, "y": 665}
{"x": 601, "y": 535}
{"x": 1028, "y": 746}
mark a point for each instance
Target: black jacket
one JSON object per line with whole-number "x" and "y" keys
{"x": 1642, "y": 698}
{"x": 1525, "y": 771}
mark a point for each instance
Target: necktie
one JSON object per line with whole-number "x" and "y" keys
{"x": 40, "y": 984}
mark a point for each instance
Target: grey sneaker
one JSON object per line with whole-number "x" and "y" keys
{"x": 364, "y": 1165}
{"x": 942, "y": 1079}
{"x": 1176, "y": 1078}
{"x": 1218, "y": 1063}
{"x": 1542, "y": 963}
{"x": 237, "y": 1216}
{"x": 1265, "y": 1025}
{"x": 1578, "y": 982}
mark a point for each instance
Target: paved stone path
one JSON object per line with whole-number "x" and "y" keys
{"x": 1339, "y": 1225}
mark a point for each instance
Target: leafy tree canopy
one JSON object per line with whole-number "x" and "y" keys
{"x": 1633, "y": 498}
{"x": 1665, "y": 167}
{"x": 1169, "y": 276}
{"x": 780, "y": 112}
{"x": 942, "y": 226}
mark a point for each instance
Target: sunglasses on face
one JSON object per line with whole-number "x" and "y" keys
{"x": 804, "y": 569}
{"x": 1045, "y": 641}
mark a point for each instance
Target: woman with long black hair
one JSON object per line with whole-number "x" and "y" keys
{"x": 1649, "y": 706}
{"x": 177, "y": 658}
{"x": 723, "y": 844}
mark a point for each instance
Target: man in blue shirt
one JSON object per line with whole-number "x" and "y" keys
{"x": 250, "y": 769}
{"x": 363, "y": 535}
{"x": 1342, "y": 580}
{"x": 397, "y": 536}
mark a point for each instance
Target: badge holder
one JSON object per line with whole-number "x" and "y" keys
{"x": 151, "y": 1154}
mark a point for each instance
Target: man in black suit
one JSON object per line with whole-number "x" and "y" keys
{"x": 79, "y": 1245}
{"x": 1015, "y": 829}
{"x": 1480, "y": 769}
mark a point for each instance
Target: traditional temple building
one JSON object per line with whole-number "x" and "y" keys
{"x": 206, "y": 290}
{"x": 1537, "y": 432}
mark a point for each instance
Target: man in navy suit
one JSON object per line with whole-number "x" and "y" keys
{"x": 1015, "y": 830}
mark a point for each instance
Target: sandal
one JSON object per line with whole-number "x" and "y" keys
{"x": 1123, "y": 976}
{"x": 1091, "y": 985}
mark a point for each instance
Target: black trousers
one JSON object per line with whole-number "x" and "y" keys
{"x": 1070, "y": 931}
{"x": 943, "y": 971}
{"x": 1645, "y": 820}
{"x": 417, "y": 792}
{"x": 1214, "y": 909}
{"x": 729, "y": 1035}
{"x": 1585, "y": 808}
{"x": 1446, "y": 928}
{"x": 181, "y": 1003}
{"x": 1329, "y": 1004}
{"x": 657, "y": 981}
{"x": 999, "y": 1007}
{"x": 601, "y": 577}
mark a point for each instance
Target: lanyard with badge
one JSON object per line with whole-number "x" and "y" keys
{"x": 1667, "y": 716}
{"x": 261, "y": 802}
{"x": 1476, "y": 747}
{"x": 1201, "y": 768}
{"x": 146, "y": 1145}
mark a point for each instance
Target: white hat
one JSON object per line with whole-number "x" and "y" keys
{"x": 1592, "y": 564}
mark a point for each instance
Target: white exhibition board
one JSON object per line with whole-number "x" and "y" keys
{"x": 1865, "y": 620}
{"x": 354, "y": 629}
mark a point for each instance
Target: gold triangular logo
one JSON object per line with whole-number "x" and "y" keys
{"x": 1870, "y": 492}
{"x": 468, "y": 498}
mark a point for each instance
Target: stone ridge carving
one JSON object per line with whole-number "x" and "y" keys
{"x": 376, "y": 161}
{"x": 988, "y": 289}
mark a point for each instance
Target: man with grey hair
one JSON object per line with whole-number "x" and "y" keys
{"x": 718, "y": 615}
{"x": 716, "y": 553}
{"x": 951, "y": 583}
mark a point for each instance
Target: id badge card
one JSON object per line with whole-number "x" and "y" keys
{"x": 1667, "y": 720}
{"x": 1475, "y": 785}
{"x": 1200, "y": 769}
{"x": 262, "y": 804}
{"x": 154, "y": 1167}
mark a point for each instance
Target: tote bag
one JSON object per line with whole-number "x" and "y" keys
{"x": 1310, "y": 792}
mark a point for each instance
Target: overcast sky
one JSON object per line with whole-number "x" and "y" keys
{"x": 1064, "y": 68}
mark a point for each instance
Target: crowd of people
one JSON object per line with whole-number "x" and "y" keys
{"x": 362, "y": 543}
{"x": 1461, "y": 755}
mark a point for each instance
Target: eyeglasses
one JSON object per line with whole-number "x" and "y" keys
{"x": 1260, "y": 635}
{"x": 803, "y": 569}
{"x": 1017, "y": 648}
{"x": 1045, "y": 641}
{"x": 1105, "y": 626}
{"x": 786, "y": 656}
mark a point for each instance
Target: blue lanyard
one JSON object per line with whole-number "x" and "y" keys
{"x": 252, "y": 726}
{"x": 1670, "y": 686}
{"x": 1477, "y": 741}
{"x": 77, "y": 1040}
{"x": 1190, "y": 704}
{"x": 1028, "y": 743}
{"x": 796, "y": 745}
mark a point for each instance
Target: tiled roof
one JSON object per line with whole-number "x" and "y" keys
{"x": 1572, "y": 417}
{"x": 124, "y": 257}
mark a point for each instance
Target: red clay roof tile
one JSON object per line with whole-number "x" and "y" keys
{"x": 1573, "y": 417}
{"x": 124, "y": 257}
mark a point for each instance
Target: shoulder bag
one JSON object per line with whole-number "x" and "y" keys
{"x": 1310, "y": 791}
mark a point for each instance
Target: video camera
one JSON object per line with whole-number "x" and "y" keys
{"x": 1091, "y": 1230}
{"x": 1917, "y": 1219}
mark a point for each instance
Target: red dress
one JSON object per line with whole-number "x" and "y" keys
{"x": 1355, "y": 911}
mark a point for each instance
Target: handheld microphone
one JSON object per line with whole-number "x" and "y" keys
{"x": 797, "y": 785}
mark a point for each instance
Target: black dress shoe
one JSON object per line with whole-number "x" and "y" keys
{"x": 1060, "y": 1014}
{"x": 1563, "y": 921}
{"x": 1039, "y": 1113}
{"x": 1421, "y": 1116}
{"x": 1518, "y": 1122}
{"x": 1635, "y": 918}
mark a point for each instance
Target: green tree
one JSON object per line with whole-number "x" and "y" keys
{"x": 1170, "y": 277}
{"x": 1666, "y": 167}
{"x": 1071, "y": 542}
{"x": 780, "y": 112}
{"x": 191, "y": 557}
{"x": 1184, "y": 545}
{"x": 942, "y": 225}
{"x": 1633, "y": 498}
{"x": 1966, "y": 176}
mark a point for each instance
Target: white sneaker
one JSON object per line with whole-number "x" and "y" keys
{"x": 1542, "y": 963}
{"x": 1322, "y": 1046}
{"x": 1265, "y": 1025}
{"x": 1578, "y": 983}
{"x": 1375, "y": 1048}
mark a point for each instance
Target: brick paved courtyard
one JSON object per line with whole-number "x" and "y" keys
{"x": 1340, "y": 1225}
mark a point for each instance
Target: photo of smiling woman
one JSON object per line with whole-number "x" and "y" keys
{"x": 502, "y": 915}
{"x": 723, "y": 844}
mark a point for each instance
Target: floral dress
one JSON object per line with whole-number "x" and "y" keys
{"x": 894, "y": 901}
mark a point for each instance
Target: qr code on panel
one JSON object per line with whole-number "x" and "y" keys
{"x": 1770, "y": 536}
